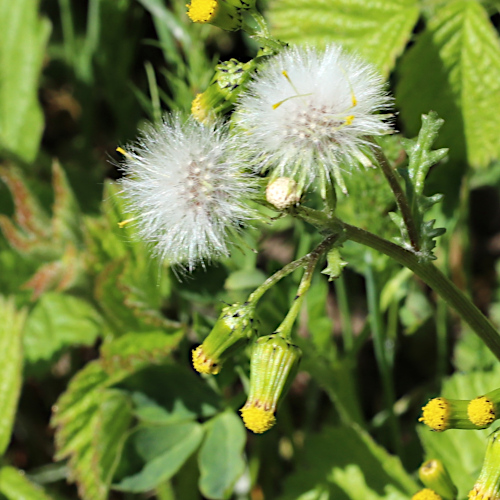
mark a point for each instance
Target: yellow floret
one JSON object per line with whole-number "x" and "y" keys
{"x": 258, "y": 420}
{"x": 198, "y": 110}
{"x": 203, "y": 364}
{"x": 436, "y": 414}
{"x": 481, "y": 411}
{"x": 426, "y": 494}
{"x": 202, "y": 11}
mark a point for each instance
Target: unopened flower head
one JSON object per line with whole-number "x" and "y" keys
{"x": 273, "y": 366}
{"x": 308, "y": 113}
{"x": 434, "y": 476}
{"x": 185, "y": 184}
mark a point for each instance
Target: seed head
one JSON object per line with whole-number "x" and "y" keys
{"x": 185, "y": 184}
{"x": 308, "y": 113}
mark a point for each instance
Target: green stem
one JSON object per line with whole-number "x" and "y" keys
{"x": 441, "y": 335}
{"x": 379, "y": 339}
{"x": 426, "y": 271}
{"x": 433, "y": 277}
{"x": 286, "y": 325}
{"x": 345, "y": 314}
{"x": 289, "y": 268}
{"x": 399, "y": 194}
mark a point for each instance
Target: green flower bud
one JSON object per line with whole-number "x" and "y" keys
{"x": 434, "y": 475}
{"x": 220, "y": 13}
{"x": 487, "y": 486}
{"x": 273, "y": 366}
{"x": 232, "y": 331}
{"x": 441, "y": 414}
{"x": 227, "y": 83}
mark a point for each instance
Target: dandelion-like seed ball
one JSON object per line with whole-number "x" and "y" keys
{"x": 185, "y": 183}
{"x": 308, "y": 114}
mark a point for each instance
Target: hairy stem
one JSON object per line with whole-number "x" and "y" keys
{"x": 312, "y": 256}
{"x": 399, "y": 194}
{"x": 425, "y": 270}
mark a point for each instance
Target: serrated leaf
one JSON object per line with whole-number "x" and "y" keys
{"x": 461, "y": 451}
{"x": 11, "y": 361}
{"x": 164, "y": 449}
{"x": 91, "y": 418}
{"x": 378, "y": 31}
{"x": 133, "y": 351}
{"x": 15, "y": 486}
{"x": 24, "y": 36}
{"x": 221, "y": 456}
{"x": 59, "y": 321}
{"x": 454, "y": 68}
{"x": 327, "y": 462}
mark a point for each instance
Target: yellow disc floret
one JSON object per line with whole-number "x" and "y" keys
{"x": 257, "y": 419}
{"x": 198, "y": 109}
{"x": 202, "y": 11}
{"x": 481, "y": 411}
{"x": 426, "y": 494}
{"x": 204, "y": 364}
{"x": 436, "y": 414}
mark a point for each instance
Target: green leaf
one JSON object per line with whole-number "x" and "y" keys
{"x": 461, "y": 451}
{"x": 220, "y": 458}
{"x": 24, "y": 36}
{"x": 421, "y": 158}
{"x": 163, "y": 449}
{"x": 335, "y": 264}
{"x": 15, "y": 486}
{"x": 59, "y": 321}
{"x": 181, "y": 396}
{"x": 454, "y": 68}
{"x": 92, "y": 420}
{"x": 378, "y": 31}
{"x": 11, "y": 361}
{"x": 137, "y": 350}
{"x": 345, "y": 463}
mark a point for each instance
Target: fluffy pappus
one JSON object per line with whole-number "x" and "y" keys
{"x": 185, "y": 183}
{"x": 308, "y": 114}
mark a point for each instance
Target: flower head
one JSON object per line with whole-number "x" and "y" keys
{"x": 487, "y": 486}
{"x": 217, "y": 12}
{"x": 309, "y": 113}
{"x": 426, "y": 494}
{"x": 441, "y": 414}
{"x": 186, "y": 185}
{"x": 232, "y": 331}
{"x": 435, "y": 477}
{"x": 273, "y": 366}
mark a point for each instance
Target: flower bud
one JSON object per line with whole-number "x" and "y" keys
{"x": 441, "y": 414}
{"x": 434, "y": 475}
{"x": 220, "y": 13}
{"x": 283, "y": 193}
{"x": 232, "y": 331}
{"x": 487, "y": 486}
{"x": 484, "y": 410}
{"x": 227, "y": 83}
{"x": 426, "y": 494}
{"x": 273, "y": 366}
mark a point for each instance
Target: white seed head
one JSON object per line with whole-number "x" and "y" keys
{"x": 309, "y": 110}
{"x": 185, "y": 182}
{"x": 283, "y": 193}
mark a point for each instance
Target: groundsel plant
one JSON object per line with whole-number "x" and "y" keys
{"x": 185, "y": 183}
{"x": 307, "y": 114}
{"x": 297, "y": 118}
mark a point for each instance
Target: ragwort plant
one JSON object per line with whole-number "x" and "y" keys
{"x": 298, "y": 133}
